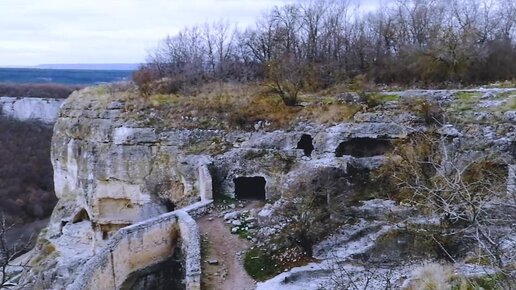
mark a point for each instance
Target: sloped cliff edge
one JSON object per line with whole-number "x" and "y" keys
{"x": 113, "y": 167}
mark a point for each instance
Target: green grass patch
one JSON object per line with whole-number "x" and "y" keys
{"x": 259, "y": 264}
{"x": 496, "y": 281}
{"x": 162, "y": 99}
{"x": 223, "y": 199}
{"x": 504, "y": 84}
{"x": 242, "y": 233}
{"x": 511, "y": 104}
{"x": 389, "y": 97}
{"x": 213, "y": 146}
{"x": 467, "y": 96}
{"x": 374, "y": 99}
{"x": 505, "y": 95}
{"x": 464, "y": 101}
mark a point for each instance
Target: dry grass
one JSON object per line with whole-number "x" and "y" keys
{"x": 241, "y": 106}
{"x": 431, "y": 276}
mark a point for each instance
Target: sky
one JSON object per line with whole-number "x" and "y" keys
{"x": 36, "y": 32}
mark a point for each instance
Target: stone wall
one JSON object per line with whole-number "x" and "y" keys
{"x": 145, "y": 244}
{"x": 30, "y": 109}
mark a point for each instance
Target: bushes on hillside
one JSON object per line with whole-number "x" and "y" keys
{"x": 461, "y": 189}
{"x": 312, "y": 45}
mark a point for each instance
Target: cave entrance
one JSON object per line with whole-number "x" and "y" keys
{"x": 306, "y": 144}
{"x": 250, "y": 187}
{"x": 364, "y": 147}
{"x": 82, "y": 215}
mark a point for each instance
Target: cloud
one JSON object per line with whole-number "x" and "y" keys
{"x": 106, "y": 31}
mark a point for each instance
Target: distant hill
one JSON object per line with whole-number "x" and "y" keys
{"x": 91, "y": 66}
{"x": 67, "y": 76}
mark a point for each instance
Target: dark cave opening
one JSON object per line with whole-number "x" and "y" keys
{"x": 82, "y": 215}
{"x": 250, "y": 187}
{"x": 306, "y": 144}
{"x": 169, "y": 205}
{"x": 364, "y": 147}
{"x": 169, "y": 274}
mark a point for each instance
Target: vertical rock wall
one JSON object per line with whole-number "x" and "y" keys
{"x": 30, "y": 109}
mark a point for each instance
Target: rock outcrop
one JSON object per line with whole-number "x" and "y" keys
{"x": 111, "y": 172}
{"x": 30, "y": 109}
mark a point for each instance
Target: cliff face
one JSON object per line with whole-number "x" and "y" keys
{"x": 30, "y": 109}
{"x": 108, "y": 174}
{"x": 114, "y": 174}
{"x": 26, "y": 172}
{"x": 112, "y": 170}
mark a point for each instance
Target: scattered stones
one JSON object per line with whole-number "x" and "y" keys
{"x": 488, "y": 95}
{"x": 212, "y": 262}
{"x": 236, "y": 223}
{"x": 250, "y": 219}
{"x": 449, "y": 130}
{"x": 510, "y": 116}
{"x": 348, "y": 97}
{"x": 234, "y": 230}
{"x": 489, "y": 104}
{"x": 231, "y": 215}
{"x": 266, "y": 211}
{"x": 482, "y": 116}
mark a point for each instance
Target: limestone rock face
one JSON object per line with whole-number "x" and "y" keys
{"x": 30, "y": 109}
{"x": 116, "y": 174}
{"x": 108, "y": 174}
{"x": 111, "y": 170}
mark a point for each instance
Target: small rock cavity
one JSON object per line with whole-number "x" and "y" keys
{"x": 306, "y": 144}
{"x": 364, "y": 147}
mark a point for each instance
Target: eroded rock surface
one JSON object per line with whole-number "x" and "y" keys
{"x": 112, "y": 170}
{"x": 31, "y": 109}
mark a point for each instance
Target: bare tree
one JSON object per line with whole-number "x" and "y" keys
{"x": 342, "y": 276}
{"x": 8, "y": 252}
{"x": 468, "y": 192}
{"x": 404, "y": 41}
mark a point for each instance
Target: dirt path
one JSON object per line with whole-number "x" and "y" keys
{"x": 227, "y": 249}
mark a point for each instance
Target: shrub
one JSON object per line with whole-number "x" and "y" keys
{"x": 430, "y": 277}
{"x": 312, "y": 209}
{"x": 459, "y": 188}
{"x": 428, "y": 110}
{"x": 143, "y": 78}
{"x": 285, "y": 78}
{"x": 259, "y": 264}
{"x": 370, "y": 100}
